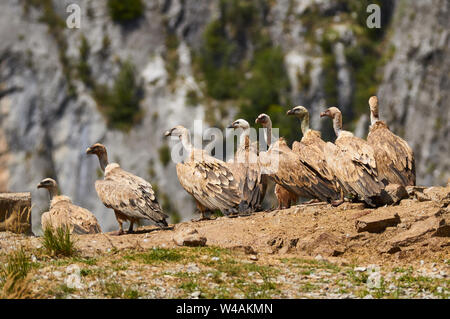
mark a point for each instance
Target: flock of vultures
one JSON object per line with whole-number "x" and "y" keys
{"x": 351, "y": 168}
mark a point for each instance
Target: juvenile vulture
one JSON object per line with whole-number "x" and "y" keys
{"x": 247, "y": 156}
{"x": 131, "y": 197}
{"x": 213, "y": 183}
{"x": 63, "y": 213}
{"x": 311, "y": 150}
{"x": 352, "y": 161}
{"x": 394, "y": 157}
{"x": 285, "y": 167}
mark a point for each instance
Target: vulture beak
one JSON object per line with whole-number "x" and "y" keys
{"x": 231, "y": 125}
{"x": 167, "y": 133}
{"x": 290, "y": 112}
{"x": 89, "y": 151}
{"x": 40, "y": 185}
{"x": 258, "y": 120}
{"x": 322, "y": 114}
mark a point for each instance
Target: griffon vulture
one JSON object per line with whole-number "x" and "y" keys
{"x": 394, "y": 157}
{"x": 131, "y": 197}
{"x": 352, "y": 162}
{"x": 285, "y": 167}
{"x": 213, "y": 183}
{"x": 63, "y": 213}
{"x": 311, "y": 150}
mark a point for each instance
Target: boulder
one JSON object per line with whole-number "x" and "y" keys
{"x": 189, "y": 237}
{"x": 437, "y": 226}
{"x": 393, "y": 194}
{"x": 15, "y": 212}
{"x": 326, "y": 244}
{"x": 377, "y": 221}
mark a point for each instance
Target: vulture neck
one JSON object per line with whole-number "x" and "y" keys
{"x": 244, "y": 139}
{"x": 374, "y": 117}
{"x": 305, "y": 124}
{"x": 268, "y": 133}
{"x": 103, "y": 158}
{"x": 186, "y": 141}
{"x": 337, "y": 124}
{"x": 53, "y": 191}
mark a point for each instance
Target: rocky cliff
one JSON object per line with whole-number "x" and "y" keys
{"x": 63, "y": 89}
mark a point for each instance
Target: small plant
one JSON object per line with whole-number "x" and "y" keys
{"x": 14, "y": 276}
{"x": 123, "y": 11}
{"x": 58, "y": 241}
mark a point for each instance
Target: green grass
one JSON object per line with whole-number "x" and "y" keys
{"x": 18, "y": 265}
{"x": 58, "y": 242}
{"x": 157, "y": 255}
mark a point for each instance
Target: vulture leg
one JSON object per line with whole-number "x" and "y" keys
{"x": 340, "y": 201}
{"x": 120, "y": 219}
{"x": 130, "y": 230}
{"x": 202, "y": 211}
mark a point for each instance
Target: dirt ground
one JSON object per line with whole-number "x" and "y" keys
{"x": 307, "y": 251}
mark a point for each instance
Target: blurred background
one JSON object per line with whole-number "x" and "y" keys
{"x": 136, "y": 68}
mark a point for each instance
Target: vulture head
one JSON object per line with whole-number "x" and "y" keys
{"x": 97, "y": 149}
{"x": 177, "y": 131}
{"x": 299, "y": 111}
{"x": 264, "y": 120}
{"x": 243, "y": 124}
{"x": 373, "y": 103}
{"x": 47, "y": 183}
{"x": 331, "y": 112}
{"x": 50, "y": 185}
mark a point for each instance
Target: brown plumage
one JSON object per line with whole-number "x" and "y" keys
{"x": 352, "y": 161}
{"x": 285, "y": 167}
{"x": 63, "y": 213}
{"x": 311, "y": 150}
{"x": 131, "y": 197}
{"x": 394, "y": 157}
{"x": 247, "y": 167}
{"x": 213, "y": 183}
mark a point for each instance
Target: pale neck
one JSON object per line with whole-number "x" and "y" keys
{"x": 268, "y": 133}
{"x": 103, "y": 159}
{"x": 244, "y": 136}
{"x": 186, "y": 141}
{"x": 373, "y": 118}
{"x": 337, "y": 124}
{"x": 53, "y": 191}
{"x": 305, "y": 124}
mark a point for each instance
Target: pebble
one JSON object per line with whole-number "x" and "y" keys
{"x": 195, "y": 294}
{"x": 360, "y": 269}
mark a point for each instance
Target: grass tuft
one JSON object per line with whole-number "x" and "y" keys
{"x": 58, "y": 242}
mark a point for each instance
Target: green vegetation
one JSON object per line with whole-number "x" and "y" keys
{"x": 56, "y": 26}
{"x": 238, "y": 61}
{"x": 157, "y": 255}
{"x": 58, "y": 241}
{"x": 115, "y": 290}
{"x": 164, "y": 154}
{"x": 192, "y": 98}
{"x": 14, "y": 279}
{"x": 123, "y": 11}
{"x": 121, "y": 103}
{"x": 83, "y": 68}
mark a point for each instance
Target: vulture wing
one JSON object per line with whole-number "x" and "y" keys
{"x": 394, "y": 157}
{"x": 131, "y": 195}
